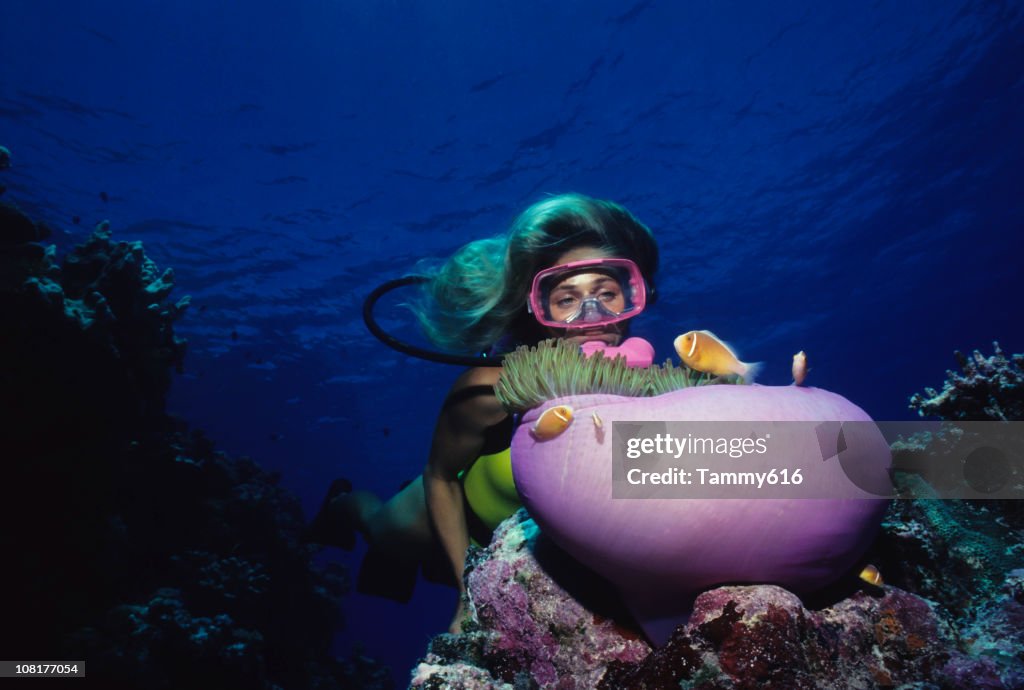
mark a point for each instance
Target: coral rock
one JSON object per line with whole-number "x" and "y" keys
{"x": 527, "y": 627}
{"x": 989, "y": 388}
{"x": 17, "y": 228}
{"x": 161, "y": 561}
{"x": 763, "y": 637}
{"x": 529, "y": 630}
{"x": 963, "y": 627}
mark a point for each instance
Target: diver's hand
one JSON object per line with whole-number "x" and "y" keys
{"x": 460, "y": 613}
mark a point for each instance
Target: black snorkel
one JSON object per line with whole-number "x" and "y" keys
{"x": 411, "y": 350}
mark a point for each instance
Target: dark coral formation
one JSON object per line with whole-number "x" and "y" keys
{"x": 965, "y": 555}
{"x": 132, "y": 543}
{"x": 989, "y": 388}
{"x": 965, "y": 558}
{"x": 93, "y": 336}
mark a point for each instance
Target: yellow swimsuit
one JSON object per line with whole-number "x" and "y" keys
{"x": 490, "y": 489}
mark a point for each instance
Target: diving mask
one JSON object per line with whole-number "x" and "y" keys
{"x": 588, "y": 294}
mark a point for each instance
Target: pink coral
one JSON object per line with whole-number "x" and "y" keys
{"x": 531, "y": 629}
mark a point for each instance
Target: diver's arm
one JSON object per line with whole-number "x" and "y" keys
{"x": 458, "y": 440}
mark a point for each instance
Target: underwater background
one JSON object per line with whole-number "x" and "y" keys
{"x": 840, "y": 178}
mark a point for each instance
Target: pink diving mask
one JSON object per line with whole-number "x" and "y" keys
{"x": 588, "y": 294}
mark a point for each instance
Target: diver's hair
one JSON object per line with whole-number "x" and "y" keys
{"x": 477, "y": 298}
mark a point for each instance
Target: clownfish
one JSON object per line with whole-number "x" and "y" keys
{"x": 799, "y": 368}
{"x": 703, "y": 351}
{"x": 552, "y": 422}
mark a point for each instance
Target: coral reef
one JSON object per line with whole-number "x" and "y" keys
{"x": 525, "y": 629}
{"x": 956, "y": 553}
{"x": 989, "y": 388}
{"x": 763, "y": 637}
{"x": 965, "y": 555}
{"x": 133, "y": 543}
{"x": 951, "y": 614}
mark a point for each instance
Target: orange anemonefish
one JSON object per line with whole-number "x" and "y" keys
{"x": 703, "y": 351}
{"x": 552, "y": 422}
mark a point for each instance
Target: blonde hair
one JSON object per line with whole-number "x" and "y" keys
{"x": 478, "y": 297}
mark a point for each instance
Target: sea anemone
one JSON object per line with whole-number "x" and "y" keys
{"x": 557, "y": 368}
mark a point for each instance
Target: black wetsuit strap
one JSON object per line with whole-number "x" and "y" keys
{"x": 498, "y": 437}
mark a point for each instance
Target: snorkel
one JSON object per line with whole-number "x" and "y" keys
{"x": 407, "y": 348}
{"x": 595, "y": 309}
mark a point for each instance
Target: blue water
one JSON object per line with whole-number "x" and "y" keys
{"x": 834, "y": 177}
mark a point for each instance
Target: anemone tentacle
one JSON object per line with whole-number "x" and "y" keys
{"x": 556, "y": 368}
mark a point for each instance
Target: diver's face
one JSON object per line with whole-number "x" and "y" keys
{"x": 571, "y": 292}
{"x": 567, "y": 295}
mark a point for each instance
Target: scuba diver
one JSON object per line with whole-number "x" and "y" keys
{"x": 570, "y": 267}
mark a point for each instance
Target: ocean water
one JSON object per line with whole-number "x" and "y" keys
{"x": 840, "y": 178}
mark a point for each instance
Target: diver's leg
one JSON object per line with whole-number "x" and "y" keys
{"x": 401, "y": 526}
{"x": 398, "y": 533}
{"x": 400, "y": 538}
{"x": 356, "y": 509}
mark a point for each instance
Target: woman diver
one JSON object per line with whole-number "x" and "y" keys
{"x": 570, "y": 267}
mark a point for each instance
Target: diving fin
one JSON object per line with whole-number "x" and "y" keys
{"x": 329, "y": 527}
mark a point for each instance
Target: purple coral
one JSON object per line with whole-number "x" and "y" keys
{"x": 528, "y": 628}
{"x": 989, "y": 388}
